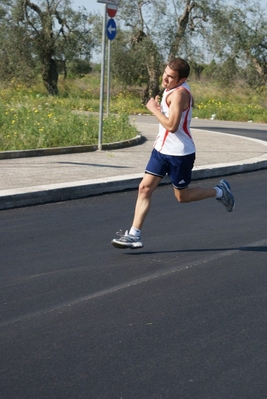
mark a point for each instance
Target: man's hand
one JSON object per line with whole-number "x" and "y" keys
{"x": 178, "y": 101}
{"x": 153, "y": 104}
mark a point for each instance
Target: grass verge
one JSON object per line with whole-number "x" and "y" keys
{"x": 31, "y": 119}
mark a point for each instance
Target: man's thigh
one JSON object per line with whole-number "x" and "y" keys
{"x": 181, "y": 170}
{"x": 157, "y": 164}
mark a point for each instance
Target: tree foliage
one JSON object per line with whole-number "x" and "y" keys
{"x": 16, "y": 59}
{"x": 154, "y": 32}
{"x": 48, "y": 36}
{"x": 233, "y": 34}
{"x": 240, "y": 31}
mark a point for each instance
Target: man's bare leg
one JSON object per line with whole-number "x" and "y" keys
{"x": 146, "y": 189}
{"x": 222, "y": 192}
{"x": 189, "y": 194}
{"x": 132, "y": 239}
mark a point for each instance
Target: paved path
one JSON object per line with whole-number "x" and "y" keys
{"x": 42, "y": 179}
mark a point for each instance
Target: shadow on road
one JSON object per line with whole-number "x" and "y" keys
{"x": 249, "y": 248}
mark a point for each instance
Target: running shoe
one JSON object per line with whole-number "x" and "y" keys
{"x": 227, "y": 198}
{"x": 127, "y": 241}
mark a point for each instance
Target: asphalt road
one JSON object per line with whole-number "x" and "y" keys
{"x": 245, "y": 129}
{"x": 183, "y": 318}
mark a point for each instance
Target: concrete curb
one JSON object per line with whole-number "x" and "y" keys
{"x": 77, "y": 189}
{"x": 38, "y": 195}
{"x": 71, "y": 150}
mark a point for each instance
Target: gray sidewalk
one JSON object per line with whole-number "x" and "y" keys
{"x": 43, "y": 179}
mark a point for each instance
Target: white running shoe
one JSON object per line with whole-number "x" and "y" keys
{"x": 227, "y": 198}
{"x": 127, "y": 241}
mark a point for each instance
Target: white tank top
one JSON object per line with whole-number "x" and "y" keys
{"x": 180, "y": 142}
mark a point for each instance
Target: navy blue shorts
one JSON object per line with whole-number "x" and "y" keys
{"x": 179, "y": 168}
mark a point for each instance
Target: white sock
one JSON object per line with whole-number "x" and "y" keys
{"x": 219, "y": 192}
{"x": 135, "y": 232}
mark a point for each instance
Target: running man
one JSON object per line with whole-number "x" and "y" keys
{"x": 173, "y": 154}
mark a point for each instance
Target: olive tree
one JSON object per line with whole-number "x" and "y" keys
{"x": 239, "y": 32}
{"x": 16, "y": 60}
{"x": 53, "y": 32}
{"x": 158, "y": 31}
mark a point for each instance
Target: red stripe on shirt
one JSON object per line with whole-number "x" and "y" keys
{"x": 164, "y": 138}
{"x": 185, "y": 124}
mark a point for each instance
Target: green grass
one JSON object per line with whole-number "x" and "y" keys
{"x": 239, "y": 103}
{"x": 29, "y": 118}
{"x": 52, "y": 125}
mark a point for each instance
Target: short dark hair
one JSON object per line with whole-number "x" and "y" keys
{"x": 180, "y": 66}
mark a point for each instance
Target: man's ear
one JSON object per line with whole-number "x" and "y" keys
{"x": 181, "y": 81}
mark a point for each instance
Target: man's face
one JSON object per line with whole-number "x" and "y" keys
{"x": 170, "y": 78}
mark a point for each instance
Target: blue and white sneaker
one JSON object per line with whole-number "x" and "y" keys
{"x": 127, "y": 241}
{"x": 227, "y": 198}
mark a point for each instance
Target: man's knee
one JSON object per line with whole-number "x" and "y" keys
{"x": 144, "y": 189}
{"x": 148, "y": 185}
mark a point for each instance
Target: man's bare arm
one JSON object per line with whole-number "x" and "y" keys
{"x": 178, "y": 101}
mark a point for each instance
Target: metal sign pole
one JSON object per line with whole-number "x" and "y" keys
{"x": 100, "y": 130}
{"x": 108, "y": 77}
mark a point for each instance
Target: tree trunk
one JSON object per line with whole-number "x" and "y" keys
{"x": 50, "y": 76}
{"x": 261, "y": 69}
{"x": 152, "y": 89}
{"x": 181, "y": 29}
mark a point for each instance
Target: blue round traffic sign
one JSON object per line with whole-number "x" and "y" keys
{"x": 111, "y": 29}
